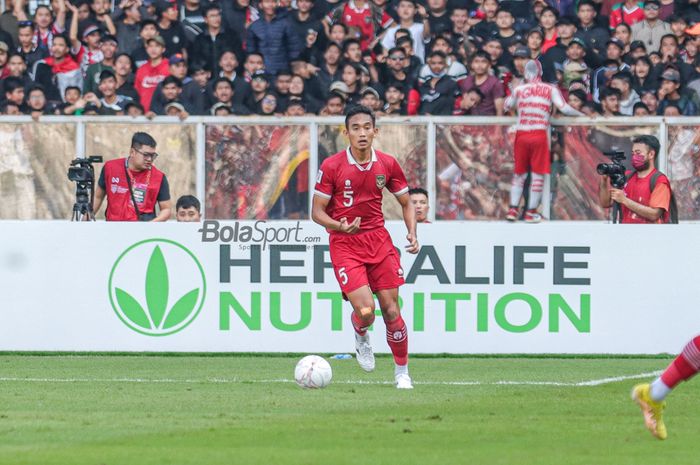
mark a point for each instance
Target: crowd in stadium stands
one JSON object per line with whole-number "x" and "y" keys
{"x": 296, "y": 57}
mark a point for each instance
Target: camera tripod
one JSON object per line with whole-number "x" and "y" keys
{"x": 82, "y": 208}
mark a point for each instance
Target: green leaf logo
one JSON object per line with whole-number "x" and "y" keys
{"x": 151, "y": 311}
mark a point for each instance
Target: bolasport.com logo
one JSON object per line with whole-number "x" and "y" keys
{"x": 157, "y": 287}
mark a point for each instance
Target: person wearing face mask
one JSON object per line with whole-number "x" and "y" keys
{"x": 646, "y": 197}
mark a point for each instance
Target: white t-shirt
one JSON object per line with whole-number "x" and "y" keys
{"x": 389, "y": 42}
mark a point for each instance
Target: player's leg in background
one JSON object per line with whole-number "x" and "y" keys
{"x": 520, "y": 170}
{"x": 538, "y": 144}
{"x": 362, "y": 317}
{"x": 650, "y": 397}
{"x": 396, "y": 335}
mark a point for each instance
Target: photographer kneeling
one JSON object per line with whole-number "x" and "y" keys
{"x": 646, "y": 196}
{"x": 133, "y": 185}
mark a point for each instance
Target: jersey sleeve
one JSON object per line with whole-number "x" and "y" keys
{"x": 397, "y": 183}
{"x": 661, "y": 196}
{"x": 324, "y": 181}
{"x": 561, "y": 104}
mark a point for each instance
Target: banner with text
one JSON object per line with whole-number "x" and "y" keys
{"x": 246, "y": 286}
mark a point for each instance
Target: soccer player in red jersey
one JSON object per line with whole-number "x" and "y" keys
{"x": 650, "y": 396}
{"x": 348, "y": 203}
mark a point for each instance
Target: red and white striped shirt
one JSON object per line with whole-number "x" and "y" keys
{"x": 534, "y": 102}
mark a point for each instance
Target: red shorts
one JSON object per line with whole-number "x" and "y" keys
{"x": 365, "y": 258}
{"x": 532, "y": 152}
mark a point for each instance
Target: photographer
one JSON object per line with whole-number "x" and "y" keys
{"x": 638, "y": 200}
{"x": 135, "y": 185}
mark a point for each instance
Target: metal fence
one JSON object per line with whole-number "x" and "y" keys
{"x": 264, "y": 167}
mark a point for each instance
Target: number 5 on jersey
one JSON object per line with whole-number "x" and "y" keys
{"x": 341, "y": 271}
{"x": 348, "y": 198}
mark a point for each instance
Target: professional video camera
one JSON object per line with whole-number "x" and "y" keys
{"x": 615, "y": 170}
{"x": 82, "y": 172}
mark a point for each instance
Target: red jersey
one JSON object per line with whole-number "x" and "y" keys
{"x": 620, "y": 14}
{"x": 147, "y": 79}
{"x": 363, "y": 19}
{"x": 356, "y": 190}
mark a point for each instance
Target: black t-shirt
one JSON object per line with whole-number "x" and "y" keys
{"x": 175, "y": 39}
{"x": 163, "y": 192}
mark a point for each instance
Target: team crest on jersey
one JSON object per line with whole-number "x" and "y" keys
{"x": 381, "y": 181}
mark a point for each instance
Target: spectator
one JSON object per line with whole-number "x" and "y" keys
{"x": 18, "y": 69}
{"x": 295, "y": 108}
{"x": 439, "y": 92}
{"x": 610, "y": 102}
{"x": 394, "y": 70}
{"x": 45, "y": 26}
{"x": 548, "y": 22}
{"x": 281, "y": 89}
{"x": 628, "y": 12}
{"x": 108, "y": 49}
{"x": 123, "y": 67}
{"x": 192, "y": 19}
{"x": 651, "y": 100}
{"x": 488, "y": 85}
{"x": 111, "y": 102}
{"x": 455, "y": 70}
{"x": 169, "y": 91}
{"x": 612, "y": 64}
{"x": 439, "y": 17}
{"x": 468, "y": 102}
{"x": 273, "y": 35}
{"x": 577, "y": 99}
{"x": 221, "y": 109}
{"x": 188, "y": 209}
{"x": 30, "y": 51}
{"x": 223, "y": 93}
{"x": 152, "y": 73}
{"x": 210, "y": 44}
{"x": 134, "y": 109}
{"x": 352, "y": 52}
{"x": 370, "y": 99}
{"x": 640, "y": 109}
{"x": 73, "y": 103}
{"x": 169, "y": 28}
{"x": 228, "y": 66}
{"x": 364, "y": 18}
{"x": 191, "y": 97}
{"x": 565, "y": 34}
{"x": 149, "y": 29}
{"x": 253, "y": 62}
{"x": 65, "y": 71}
{"x": 419, "y": 31}
{"x": 335, "y": 105}
{"x": 589, "y": 31}
{"x": 268, "y": 105}
{"x": 238, "y": 16}
{"x": 297, "y": 91}
{"x": 394, "y": 98}
{"x": 670, "y": 93}
{"x": 308, "y": 28}
{"x": 623, "y": 33}
{"x": 651, "y": 29}
{"x": 36, "y": 104}
{"x": 13, "y": 88}
{"x": 644, "y": 75}
{"x": 127, "y": 21}
{"x": 628, "y": 97}
{"x": 351, "y": 78}
{"x": 485, "y": 19}
{"x": 329, "y": 70}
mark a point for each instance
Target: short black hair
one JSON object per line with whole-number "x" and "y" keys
{"x": 172, "y": 80}
{"x": 72, "y": 88}
{"x": 438, "y": 53}
{"x": 404, "y": 40}
{"x": 347, "y": 43}
{"x": 417, "y": 190}
{"x": 210, "y": 7}
{"x": 359, "y": 110}
{"x": 650, "y": 141}
{"x": 477, "y": 91}
{"x": 640, "y": 105}
{"x": 188, "y": 201}
{"x": 11, "y": 83}
{"x": 606, "y": 92}
{"x": 139, "y": 139}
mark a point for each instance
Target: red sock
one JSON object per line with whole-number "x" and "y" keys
{"x": 685, "y": 366}
{"x": 397, "y": 338}
{"x": 361, "y": 325}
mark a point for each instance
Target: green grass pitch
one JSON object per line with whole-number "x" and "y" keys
{"x": 210, "y": 410}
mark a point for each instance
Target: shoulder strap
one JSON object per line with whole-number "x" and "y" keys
{"x": 672, "y": 206}
{"x": 131, "y": 191}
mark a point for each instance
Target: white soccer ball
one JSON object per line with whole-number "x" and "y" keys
{"x": 313, "y": 372}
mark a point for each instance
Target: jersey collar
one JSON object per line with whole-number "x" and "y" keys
{"x": 352, "y": 160}
{"x": 353, "y": 7}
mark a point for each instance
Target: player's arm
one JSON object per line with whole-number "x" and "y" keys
{"x": 319, "y": 215}
{"x": 409, "y": 217}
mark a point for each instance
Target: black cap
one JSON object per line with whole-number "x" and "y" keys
{"x": 617, "y": 42}
{"x": 260, "y": 74}
{"x": 637, "y": 44}
{"x": 577, "y": 41}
